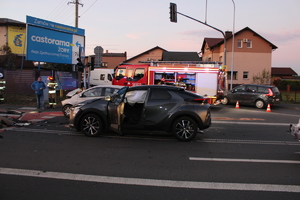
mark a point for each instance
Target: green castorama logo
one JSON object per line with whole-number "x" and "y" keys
{"x": 48, "y": 40}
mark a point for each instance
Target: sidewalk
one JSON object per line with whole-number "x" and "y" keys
{"x": 24, "y": 115}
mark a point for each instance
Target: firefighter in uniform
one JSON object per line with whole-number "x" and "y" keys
{"x": 2, "y": 86}
{"x": 52, "y": 85}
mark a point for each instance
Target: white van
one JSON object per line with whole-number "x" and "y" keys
{"x": 101, "y": 77}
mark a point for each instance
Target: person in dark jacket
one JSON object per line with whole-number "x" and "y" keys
{"x": 38, "y": 86}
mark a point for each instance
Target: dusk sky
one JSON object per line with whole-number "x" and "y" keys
{"x": 135, "y": 26}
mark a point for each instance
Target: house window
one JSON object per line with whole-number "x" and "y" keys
{"x": 245, "y": 75}
{"x": 239, "y": 43}
{"x": 233, "y": 76}
{"x": 249, "y": 43}
{"x": 104, "y": 64}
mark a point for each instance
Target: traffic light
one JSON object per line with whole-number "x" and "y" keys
{"x": 79, "y": 65}
{"x": 173, "y": 12}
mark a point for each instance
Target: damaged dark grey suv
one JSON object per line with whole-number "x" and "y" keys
{"x": 148, "y": 107}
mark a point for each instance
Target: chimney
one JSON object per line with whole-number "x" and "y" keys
{"x": 228, "y": 34}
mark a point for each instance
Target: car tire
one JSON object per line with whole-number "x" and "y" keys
{"x": 91, "y": 125}
{"x": 66, "y": 110}
{"x": 184, "y": 129}
{"x": 260, "y": 104}
{"x": 225, "y": 101}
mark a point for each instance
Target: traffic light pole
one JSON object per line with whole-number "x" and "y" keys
{"x": 212, "y": 28}
{"x": 173, "y": 18}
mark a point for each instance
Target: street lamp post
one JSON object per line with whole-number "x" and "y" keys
{"x": 232, "y": 58}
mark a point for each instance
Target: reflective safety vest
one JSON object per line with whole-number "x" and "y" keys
{"x": 2, "y": 88}
{"x": 52, "y": 87}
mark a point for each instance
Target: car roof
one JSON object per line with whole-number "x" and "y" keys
{"x": 105, "y": 86}
{"x": 260, "y": 85}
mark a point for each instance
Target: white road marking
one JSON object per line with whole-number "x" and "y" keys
{"x": 245, "y": 160}
{"x": 235, "y": 141}
{"x": 28, "y": 108}
{"x": 250, "y": 123}
{"x": 153, "y": 182}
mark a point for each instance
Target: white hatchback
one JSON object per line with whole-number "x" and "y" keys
{"x": 92, "y": 93}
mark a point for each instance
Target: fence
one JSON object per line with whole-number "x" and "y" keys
{"x": 19, "y": 81}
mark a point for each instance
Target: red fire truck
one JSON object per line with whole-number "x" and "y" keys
{"x": 205, "y": 78}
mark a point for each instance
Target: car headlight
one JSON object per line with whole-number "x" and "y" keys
{"x": 74, "y": 110}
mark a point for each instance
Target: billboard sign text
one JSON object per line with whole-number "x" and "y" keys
{"x": 60, "y": 44}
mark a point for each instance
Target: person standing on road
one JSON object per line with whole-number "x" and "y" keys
{"x": 52, "y": 85}
{"x": 38, "y": 86}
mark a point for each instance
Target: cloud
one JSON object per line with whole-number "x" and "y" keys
{"x": 282, "y": 37}
{"x": 131, "y": 36}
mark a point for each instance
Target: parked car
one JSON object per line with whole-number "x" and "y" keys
{"x": 146, "y": 107}
{"x": 73, "y": 92}
{"x": 251, "y": 94}
{"x": 91, "y": 93}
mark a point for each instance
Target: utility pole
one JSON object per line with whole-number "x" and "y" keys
{"x": 76, "y": 11}
{"x": 76, "y": 2}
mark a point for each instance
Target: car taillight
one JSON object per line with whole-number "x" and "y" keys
{"x": 270, "y": 93}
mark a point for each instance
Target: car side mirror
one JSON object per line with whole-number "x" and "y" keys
{"x": 107, "y": 98}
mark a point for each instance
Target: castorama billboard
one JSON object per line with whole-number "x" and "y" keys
{"x": 52, "y": 42}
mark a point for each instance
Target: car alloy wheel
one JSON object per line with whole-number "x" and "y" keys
{"x": 225, "y": 101}
{"x": 259, "y": 104}
{"x": 91, "y": 125}
{"x": 67, "y": 110}
{"x": 184, "y": 129}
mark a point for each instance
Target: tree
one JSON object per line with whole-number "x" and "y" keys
{"x": 262, "y": 78}
{"x": 7, "y": 58}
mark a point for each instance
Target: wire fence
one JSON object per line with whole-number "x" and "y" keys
{"x": 293, "y": 97}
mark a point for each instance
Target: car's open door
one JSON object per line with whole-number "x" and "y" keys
{"x": 116, "y": 110}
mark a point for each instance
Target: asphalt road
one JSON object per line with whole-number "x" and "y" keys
{"x": 246, "y": 154}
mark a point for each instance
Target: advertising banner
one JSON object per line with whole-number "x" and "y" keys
{"x": 54, "y": 26}
{"x": 16, "y": 39}
{"x": 51, "y": 45}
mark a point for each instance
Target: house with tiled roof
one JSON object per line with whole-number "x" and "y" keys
{"x": 159, "y": 54}
{"x": 180, "y": 56}
{"x": 283, "y": 72}
{"x": 249, "y": 56}
{"x": 153, "y": 54}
